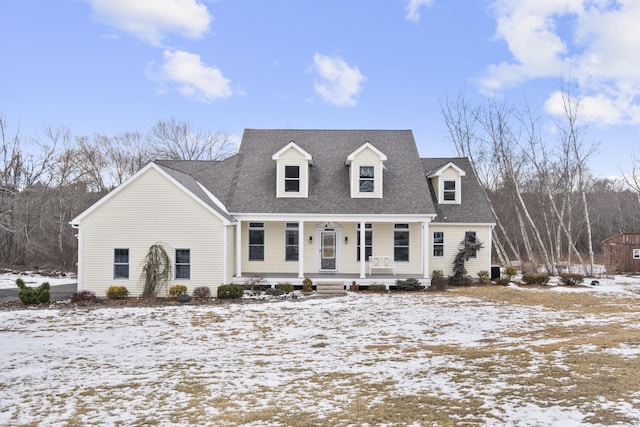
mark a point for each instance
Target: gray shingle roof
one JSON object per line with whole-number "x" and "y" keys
{"x": 246, "y": 182}
{"x": 404, "y": 187}
{"x": 474, "y": 207}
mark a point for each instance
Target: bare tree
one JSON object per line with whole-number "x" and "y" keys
{"x": 177, "y": 140}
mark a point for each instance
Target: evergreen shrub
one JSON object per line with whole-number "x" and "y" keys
{"x": 535, "y": 278}
{"x": 286, "y": 288}
{"x": 230, "y": 291}
{"x": 410, "y": 285}
{"x": 30, "y": 296}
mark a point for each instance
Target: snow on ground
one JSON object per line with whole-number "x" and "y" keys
{"x": 8, "y": 280}
{"x": 144, "y": 365}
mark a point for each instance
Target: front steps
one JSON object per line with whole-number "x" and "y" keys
{"x": 330, "y": 288}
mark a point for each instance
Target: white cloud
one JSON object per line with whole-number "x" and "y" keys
{"x": 194, "y": 79}
{"x": 596, "y": 42}
{"x": 340, "y": 84}
{"x": 413, "y": 9}
{"x": 151, "y": 20}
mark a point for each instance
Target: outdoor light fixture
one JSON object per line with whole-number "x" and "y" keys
{"x": 310, "y": 239}
{"x": 346, "y": 240}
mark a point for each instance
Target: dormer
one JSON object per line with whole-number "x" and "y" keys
{"x": 365, "y": 171}
{"x": 292, "y": 171}
{"x": 446, "y": 182}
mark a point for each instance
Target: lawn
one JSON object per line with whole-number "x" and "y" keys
{"x": 489, "y": 355}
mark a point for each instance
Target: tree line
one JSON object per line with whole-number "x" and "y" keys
{"x": 551, "y": 212}
{"x": 46, "y": 181}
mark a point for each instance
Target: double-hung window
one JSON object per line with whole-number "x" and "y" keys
{"x": 121, "y": 263}
{"x": 470, "y": 236}
{"x": 366, "y": 179}
{"x": 291, "y": 237}
{"x": 401, "y": 242}
{"x": 449, "y": 189}
{"x": 438, "y": 244}
{"x": 368, "y": 241}
{"x": 256, "y": 241}
{"x": 183, "y": 263}
{"x": 292, "y": 179}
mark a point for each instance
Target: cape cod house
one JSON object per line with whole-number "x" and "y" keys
{"x": 344, "y": 204}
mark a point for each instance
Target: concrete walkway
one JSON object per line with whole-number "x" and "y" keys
{"x": 59, "y": 292}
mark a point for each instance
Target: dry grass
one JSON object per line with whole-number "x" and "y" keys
{"x": 573, "y": 363}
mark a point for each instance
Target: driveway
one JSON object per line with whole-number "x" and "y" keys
{"x": 57, "y": 292}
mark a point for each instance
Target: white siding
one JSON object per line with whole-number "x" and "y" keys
{"x": 292, "y": 157}
{"x": 151, "y": 209}
{"x": 453, "y": 236}
{"x": 366, "y": 157}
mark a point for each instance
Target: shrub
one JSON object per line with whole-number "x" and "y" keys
{"x": 410, "y": 284}
{"x": 437, "y": 274}
{"x": 503, "y": 281}
{"x": 569, "y": 279}
{"x": 256, "y": 284}
{"x": 438, "y": 284}
{"x": 183, "y": 297}
{"x": 286, "y": 288}
{"x": 83, "y": 297}
{"x": 117, "y": 292}
{"x": 354, "y": 286}
{"x": 510, "y": 271}
{"x": 483, "y": 276}
{"x": 176, "y": 290}
{"x": 202, "y": 292}
{"x": 377, "y": 288}
{"x": 230, "y": 291}
{"x": 457, "y": 279}
{"x": 276, "y": 292}
{"x": 29, "y": 296}
{"x": 307, "y": 284}
{"x": 535, "y": 278}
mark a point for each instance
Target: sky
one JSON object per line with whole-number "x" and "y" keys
{"x": 114, "y": 66}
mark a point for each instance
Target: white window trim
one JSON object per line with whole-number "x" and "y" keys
{"x": 128, "y": 264}
{"x": 285, "y": 179}
{"x": 408, "y": 246}
{"x": 433, "y": 244}
{"x": 264, "y": 233}
{"x": 457, "y": 192}
{"x": 372, "y": 179}
{"x": 175, "y": 263}
{"x": 636, "y": 254}
{"x": 291, "y": 226}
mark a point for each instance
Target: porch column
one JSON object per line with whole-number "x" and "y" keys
{"x": 301, "y": 249}
{"x": 239, "y": 249}
{"x": 363, "y": 261}
{"x": 425, "y": 250}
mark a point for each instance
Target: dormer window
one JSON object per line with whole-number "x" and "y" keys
{"x": 292, "y": 171}
{"x": 367, "y": 178}
{"x": 365, "y": 171}
{"x": 449, "y": 191}
{"x": 292, "y": 179}
{"x": 446, "y": 182}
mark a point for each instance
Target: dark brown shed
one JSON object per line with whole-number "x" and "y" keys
{"x": 622, "y": 253}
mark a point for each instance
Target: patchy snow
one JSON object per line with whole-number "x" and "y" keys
{"x": 145, "y": 365}
{"x": 8, "y": 280}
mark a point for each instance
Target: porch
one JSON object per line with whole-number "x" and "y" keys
{"x": 388, "y": 280}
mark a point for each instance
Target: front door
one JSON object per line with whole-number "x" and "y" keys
{"x": 328, "y": 250}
